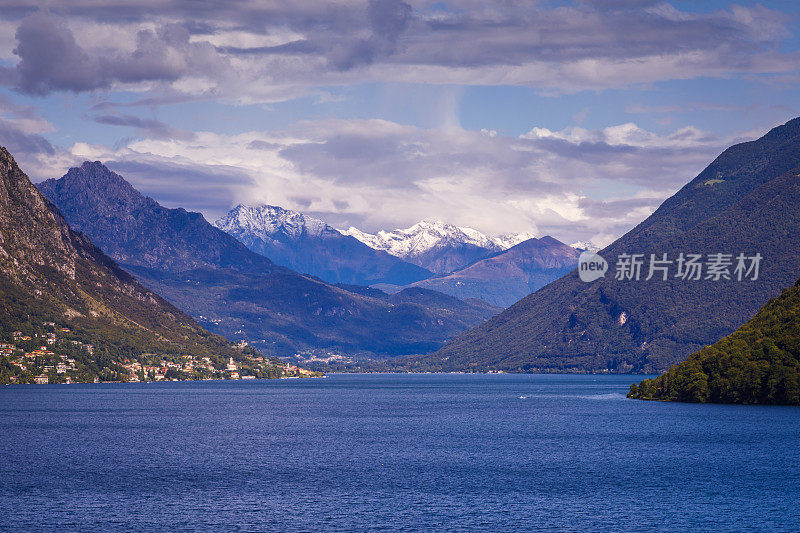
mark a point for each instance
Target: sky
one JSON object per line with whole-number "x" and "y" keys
{"x": 574, "y": 119}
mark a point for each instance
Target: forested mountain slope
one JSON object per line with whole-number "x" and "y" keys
{"x": 759, "y": 363}
{"x": 746, "y": 201}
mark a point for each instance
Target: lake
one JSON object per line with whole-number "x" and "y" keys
{"x": 391, "y": 452}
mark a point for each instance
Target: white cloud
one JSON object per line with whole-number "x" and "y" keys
{"x": 629, "y": 134}
{"x": 375, "y": 174}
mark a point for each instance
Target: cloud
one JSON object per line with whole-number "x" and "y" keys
{"x": 50, "y": 59}
{"x": 148, "y": 127}
{"x": 19, "y": 142}
{"x": 375, "y": 174}
{"x": 176, "y": 183}
{"x": 387, "y": 19}
{"x": 21, "y": 132}
{"x": 270, "y": 51}
{"x": 167, "y": 54}
{"x": 626, "y": 135}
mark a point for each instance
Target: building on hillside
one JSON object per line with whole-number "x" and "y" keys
{"x": 41, "y": 352}
{"x": 41, "y": 379}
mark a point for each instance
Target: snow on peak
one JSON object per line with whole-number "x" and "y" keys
{"x": 512, "y": 239}
{"x": 265, "y": 221}
{"x": 428, "y": 234}
{"x": 585, "y": 245}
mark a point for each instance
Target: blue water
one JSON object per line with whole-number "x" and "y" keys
{"x": 391, "y": 452}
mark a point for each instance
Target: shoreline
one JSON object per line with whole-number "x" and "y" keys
{"x": 159, "y": 381}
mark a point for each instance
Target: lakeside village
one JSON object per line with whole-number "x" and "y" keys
{"x": 54, "y": 355}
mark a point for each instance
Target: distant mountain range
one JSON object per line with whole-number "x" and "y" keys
{"x": 311, "y": 246}
{"x": 582, "y": 246}
{"x": 437, "y": 246}
{"x": 52, "y": 274}
{"x": 244, "y": 295}
{"x": 506, "y": 277}
{"x": 746, "y": 201}
{"x": 498, "y": 270}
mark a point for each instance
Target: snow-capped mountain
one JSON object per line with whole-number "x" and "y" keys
{"x": 267, "y": 222}
{"x": 587, "y": 246}
{"x": 438, "y": 246}
{"x": 311, "y": 246}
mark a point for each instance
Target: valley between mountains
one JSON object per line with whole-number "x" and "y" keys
{"x": 432, "y": 297}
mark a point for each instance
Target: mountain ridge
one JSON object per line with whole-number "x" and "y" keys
{"x": 121, "y": 209}
{"x": 311, "y": 246}
{"x": 507, "y": 276}
{"x": 49, "y": 272}
{"x": 236, "y": 292}
{"x": 437, "y": 246}
{"x": 574, "y": 326}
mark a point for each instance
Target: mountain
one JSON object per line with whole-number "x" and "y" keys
{"x": 759, "y": 363}
{"x": 746, "y": 201}
{"x": 50, "y": 274}
{"x": 309, "y": 245}
{"x": 136, "y": 231}
{"x": 436, "y": 246}
{"x": 583, "y": 246}
{"x": 235, "y": 291}
{"x": 507, "y": 276}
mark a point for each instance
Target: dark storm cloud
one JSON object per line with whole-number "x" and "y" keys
{"x": 587, "y": 44}
{"x": 154, "y": 56}
{"x": 51, "y": 59}
{"x": 526, "y": 33}
{"x": 386, "y": 20}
